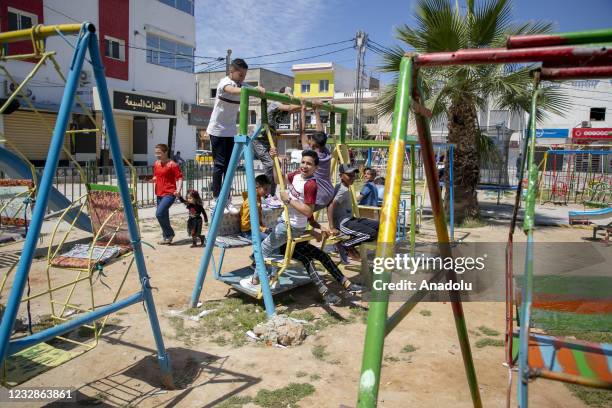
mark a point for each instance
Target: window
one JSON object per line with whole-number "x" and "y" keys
{"x": 168, "y": 53}
{"x": 324, "y": 85}
{"x": 114, "y": 48}
{"x": 183, "y": 5}
{"x": 371, "y": 119}
{"x": 305, "y": 86}
{"x": 20, "y": 20}
{"x": 213, "y": 92}
{"x": 252, "y": 117}
{"x": 598, "y": 114}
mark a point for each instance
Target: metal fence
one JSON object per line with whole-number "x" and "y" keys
{"x": 69, "y": 182}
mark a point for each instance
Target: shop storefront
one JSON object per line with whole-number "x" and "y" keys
{"x": 133, "y": 113}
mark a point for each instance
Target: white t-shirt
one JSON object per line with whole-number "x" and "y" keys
{"x": 223, "y": 119}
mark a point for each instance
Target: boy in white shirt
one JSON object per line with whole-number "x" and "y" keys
{"x": 222, "y": 125}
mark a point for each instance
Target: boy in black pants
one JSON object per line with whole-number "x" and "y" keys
{"x": 340, "y": 215}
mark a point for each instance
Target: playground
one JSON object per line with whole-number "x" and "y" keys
{"x": 210, "y": 366}
{"x": 94, "y": 302}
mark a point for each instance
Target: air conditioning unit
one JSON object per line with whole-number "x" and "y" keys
{"x": 186, "y": 108}
{"x": 84, "y": 78}
{"x": 586, "y": 124}
{"x": 11, "y": 87}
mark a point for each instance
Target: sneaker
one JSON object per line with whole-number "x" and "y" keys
{"x": 164, "y": 241}
{"x": 231, "y": 209}
{"x": 248, "y": 284}
{"x": 331, "y": 299}
{"x": 352, "y": 287}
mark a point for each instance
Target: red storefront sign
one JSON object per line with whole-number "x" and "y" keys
{"x": 592, "y": 133}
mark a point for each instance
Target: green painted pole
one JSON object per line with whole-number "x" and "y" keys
{"x": 290, "y": 100}
{"x": 444, "y": 244}
{"x": 379, "y": 303}
{"x": 528, "y": 222}
{"x": 413, "y": 222}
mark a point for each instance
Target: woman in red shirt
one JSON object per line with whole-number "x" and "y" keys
{"x": 168, "y": 185}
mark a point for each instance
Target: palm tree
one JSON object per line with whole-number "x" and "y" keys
{"x": 456, "y": 93}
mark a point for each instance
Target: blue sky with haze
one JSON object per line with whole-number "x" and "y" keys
{"x": 257, "y": 27}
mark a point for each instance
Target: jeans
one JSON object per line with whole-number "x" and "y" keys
{"x": 261, "y": 150}
{"x": 278, "y": 238}
{"x": 247, "y": 235}
{"x": 222, "y": 152}
{"x": 163, "y": 215}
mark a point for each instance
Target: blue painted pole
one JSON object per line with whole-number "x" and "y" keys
{"x": 217, "y": 218}
{"x": 369, "y": 161}
{"x": 46, "y": 183}
{"x": 255, "y": 237}
{"x": 48, "y": 334}
{"x": 451, "y": 183}
{"x": 113, "y": 139}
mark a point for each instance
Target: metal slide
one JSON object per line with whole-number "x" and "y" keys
{"x": 13, "y": 166}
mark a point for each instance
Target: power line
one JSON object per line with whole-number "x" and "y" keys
{"x": 304, "y": 58}
{"x": 300, "y": 49}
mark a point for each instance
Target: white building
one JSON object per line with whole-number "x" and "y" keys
{"x": 147, "y": 48}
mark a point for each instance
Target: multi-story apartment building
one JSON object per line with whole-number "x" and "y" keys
{"x": 147, "y": 48}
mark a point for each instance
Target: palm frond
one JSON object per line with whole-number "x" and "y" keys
{"x": 489, "y": 23}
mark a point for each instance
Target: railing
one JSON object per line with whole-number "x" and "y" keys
{"x": 198, "y": 177}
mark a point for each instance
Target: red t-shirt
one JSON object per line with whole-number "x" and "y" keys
{"x": 166, "y": 176}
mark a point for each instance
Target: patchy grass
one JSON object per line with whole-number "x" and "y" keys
{"x": 318, "y": 351}
{"x": 488, "y": 331}
{"x": 409, "y": 348}
{"x": 315, "y": 377}
{"x": 320, "y": 323}
{"x": 489, "y": 342}
{"x": 358, "y": 313}
{"x": 391, "y": 359}
{"x": 182, "y": 333}
{"x": 230, "y": 321}
{"x": 472, "y": 223}
{"x": 591, "y": 397}
{"x": 235, "y": 401}
{"x": 305, "y": 315}
{"x": 425, "y": 313}
{"x": 286, "y": 397}
{"x": 301, "y": 374}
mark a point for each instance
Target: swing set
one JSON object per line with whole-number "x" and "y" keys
{"x": 112, "y": 220}
{"x": 565, "y": 56}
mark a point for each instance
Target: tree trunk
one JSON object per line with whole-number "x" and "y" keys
{"x": 462, "y": 132}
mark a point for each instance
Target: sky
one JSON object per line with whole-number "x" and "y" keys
{"x": 253, "y": 28}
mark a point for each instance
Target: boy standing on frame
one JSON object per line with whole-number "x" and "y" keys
{"x": 222, "y": 126}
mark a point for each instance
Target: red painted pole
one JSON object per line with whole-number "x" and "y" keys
{"x": 576, "y": 73}
{"x": 556, "y": 55}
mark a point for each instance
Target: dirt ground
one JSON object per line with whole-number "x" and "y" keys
{"x": 122, "y": 369}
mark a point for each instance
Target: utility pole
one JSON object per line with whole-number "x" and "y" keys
{"x": 228, "y": 59}
{"x": 361, "y": 39}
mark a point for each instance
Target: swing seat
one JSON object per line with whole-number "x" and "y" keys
{"x": 13, "y": 193}
{"x": 571, "y": 359}
{"x": 36, "y": 360}
{"x": 293, "y": 276}
{"x": 110, "y": 235}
